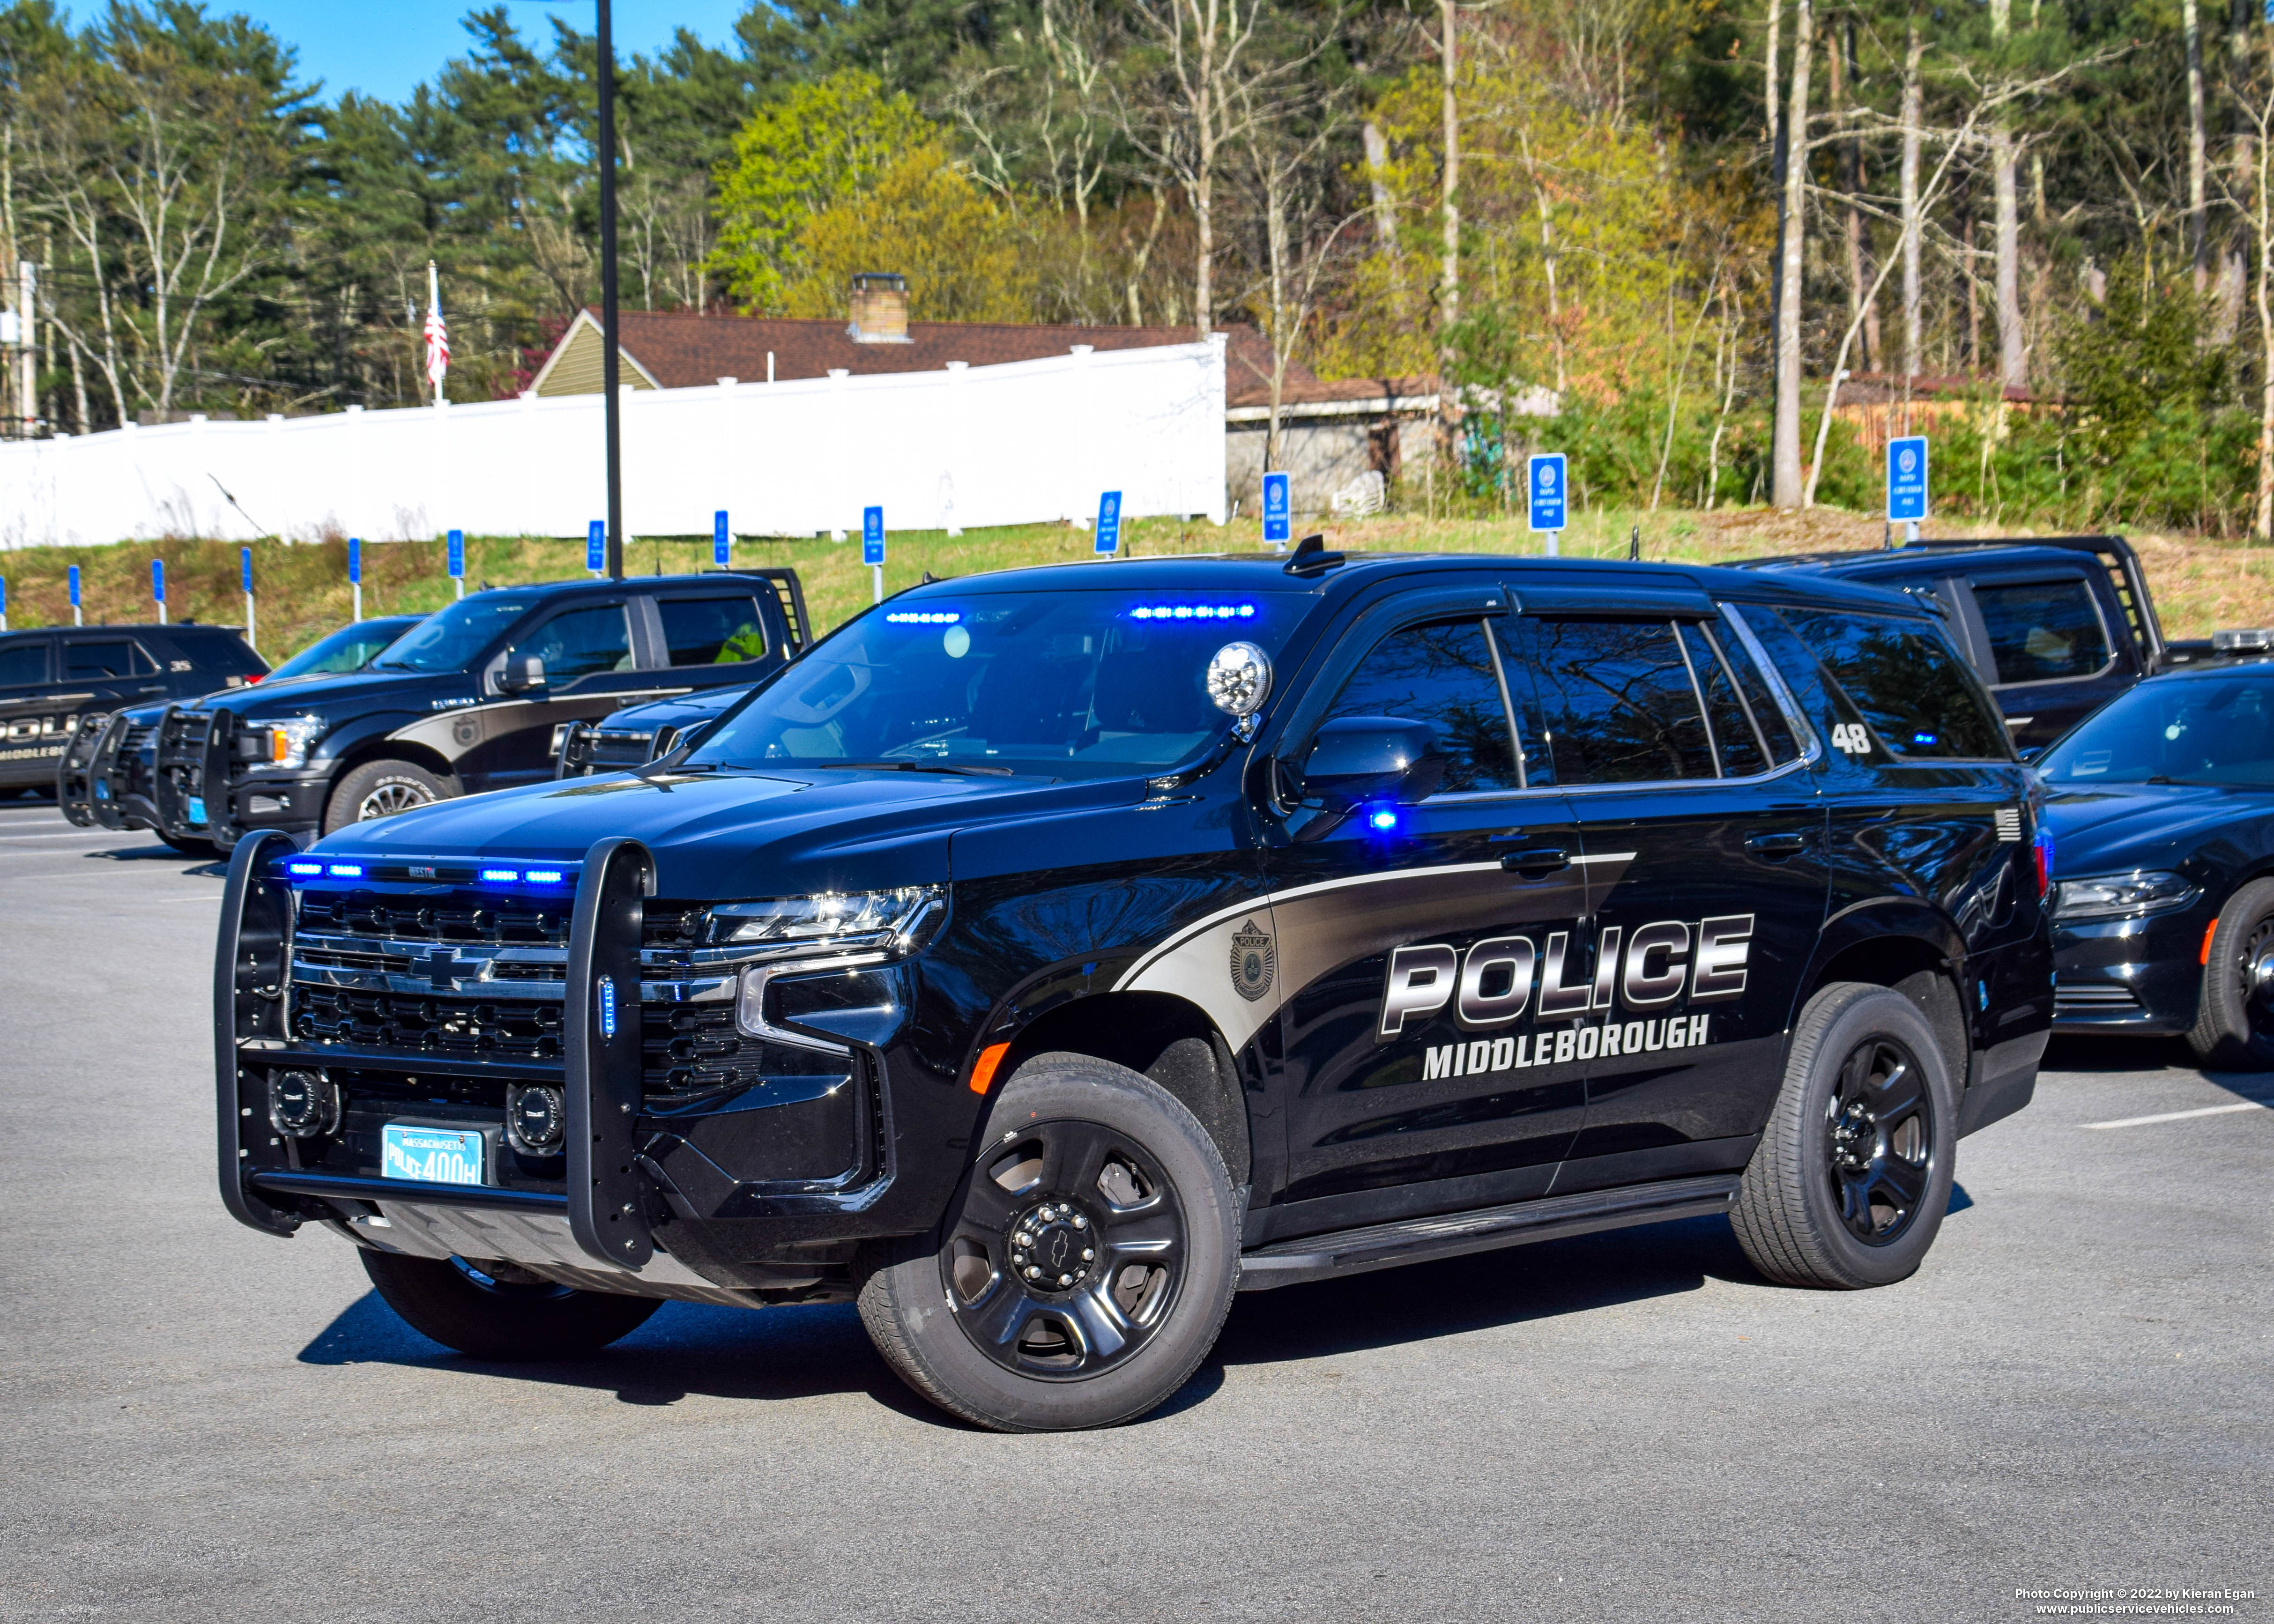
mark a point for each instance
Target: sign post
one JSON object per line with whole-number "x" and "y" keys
{"x": 1109, "y": 524}
{"x": 596, "y": 546}
{"x": 1278, "y": 512}
{"x": 245, "y": 572}
{"x": 158, "y": 586}
{"x": 873, "y": 545}
{"x": 1906, "y": 484}
{"x": 1547, "y": 481}
{"x": 77, "y": 620}
{"x": 721, "y": 543}
{"x": 3, "y": 603}
{"x": 458, "y": 561}
{"x": 354, "y": 572}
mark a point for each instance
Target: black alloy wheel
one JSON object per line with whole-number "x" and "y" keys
{"x": 1068, "y": 1253}
{"x": 2234, "y": 1017}
{"x": 1878, "y": 1139}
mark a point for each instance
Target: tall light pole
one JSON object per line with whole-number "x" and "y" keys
{"x": 612, "y": 405}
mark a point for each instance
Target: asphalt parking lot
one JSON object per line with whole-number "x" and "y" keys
{"x": 204, "y": 1423}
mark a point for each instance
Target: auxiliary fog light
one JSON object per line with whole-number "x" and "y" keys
{"x": 303, "y": 1105}
{"x": 535, "y": 1119}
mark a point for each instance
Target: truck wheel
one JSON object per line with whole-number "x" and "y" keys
{"x": 2234, "y": 1019}
{"x": 1852, "y": 1176}
{"x": 382, "y": 789}
{"x": 1084, "y": 1270}
{"x": 460, "y": 1306}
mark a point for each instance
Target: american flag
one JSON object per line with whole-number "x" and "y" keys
{"x": 438, "y": 336}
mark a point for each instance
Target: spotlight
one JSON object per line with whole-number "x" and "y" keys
{"x": 303, "y": 1105}
{"x": 534, "y": 1117}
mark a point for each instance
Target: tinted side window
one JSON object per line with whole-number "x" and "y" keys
{"x": 226, "y": 654}
{"x": 1735, "y": 740}
{"x": 1444, "y": 675}
{"x": 86, "y": 661}
{"x": 1905, "y": 681}
{"x": 23, "y": 663}
{"x": 2040, "y": 630}
{"x": 1768, "y": 716}
{"x": 711, "y": 631}
{"x": 1619, "y": 703}
{"x": 581, "y": 642}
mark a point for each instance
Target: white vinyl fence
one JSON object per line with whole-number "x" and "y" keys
{"x": 1028, "y": 442}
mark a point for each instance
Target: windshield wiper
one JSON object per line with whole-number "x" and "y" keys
{"x": 964, "y": 768}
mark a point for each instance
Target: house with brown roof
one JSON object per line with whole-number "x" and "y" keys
{"x": 1333, "y": 432}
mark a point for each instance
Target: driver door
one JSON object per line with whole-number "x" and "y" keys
{"x": 591, "y": 669}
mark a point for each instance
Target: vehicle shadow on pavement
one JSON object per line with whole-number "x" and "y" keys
{"x": 201, "y": 866}
{"x": 2092, "y": 1057}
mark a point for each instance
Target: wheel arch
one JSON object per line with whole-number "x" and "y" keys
{"x": 1911, "y": 948}
{"x": 380, "y": 746}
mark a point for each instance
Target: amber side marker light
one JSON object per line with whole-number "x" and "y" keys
{"x": 2209, "y": 931}
{"x": 983, "y": 1070}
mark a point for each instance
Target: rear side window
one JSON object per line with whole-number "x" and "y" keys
{"x": 1906, "y": 681}
{"x": 1620, "y": 703}
{"x": 1735, "y": 743}
{"x": 582, "y": 643}
{"x": 1445, "y": 676}
{"x": 87, "y": 661}
{"x": 224, "y": 652}
{"x": 1760, "y": 703}
{"x": 2042, "y": 630}
{"x": 23, "y": 663}
{"x": 712, "y": 631}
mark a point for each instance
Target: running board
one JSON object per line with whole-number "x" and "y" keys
{"x": 1448, "y": 1235}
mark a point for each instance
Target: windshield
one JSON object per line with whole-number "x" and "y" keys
{"x": 2197, "y": 730}
{"x": 449, "y": 639}
{"x": 1082, "y": 684}
{"x": 345, "y": 650}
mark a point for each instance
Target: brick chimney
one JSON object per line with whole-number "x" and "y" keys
{"x": 880, "y": 308}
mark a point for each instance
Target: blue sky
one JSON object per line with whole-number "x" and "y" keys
{"x": 386, "y": 50}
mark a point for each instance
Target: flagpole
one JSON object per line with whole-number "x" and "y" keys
{"x": 612, "y": 395}
{"x": 433, "y": 311}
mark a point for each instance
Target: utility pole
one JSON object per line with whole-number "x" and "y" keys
{"x": 611, "y": 404}
{"x": 27, "y": 360}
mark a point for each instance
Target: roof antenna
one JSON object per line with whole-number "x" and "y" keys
{"x": 1634, "y": 545}
{"x": 1312, "y": 558}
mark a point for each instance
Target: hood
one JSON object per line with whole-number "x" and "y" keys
{"x": 336, "y": 694}
{"x": 677, "y": 710}
{"x": 2124, "y": 826}
{"x": 719, "y": 835}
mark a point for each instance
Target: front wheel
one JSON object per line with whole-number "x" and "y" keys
{"x": 1085, "y": 1267}
{"x": 382, "y": 789}
{"x": 1852, "y": 1176}
{"x": 465, "y": 1306}
{"x": 2234, "y": 1020}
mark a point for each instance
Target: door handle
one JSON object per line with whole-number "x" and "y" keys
{"x": 1784, "y": 843}
{"x": 1537, "y": 864}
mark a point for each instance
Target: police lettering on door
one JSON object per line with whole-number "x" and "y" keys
{"x": 1644, "y": 986}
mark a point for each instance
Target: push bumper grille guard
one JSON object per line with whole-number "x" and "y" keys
{"x": 76, "y": 774}
{"x": 193, "y": 764}
{"x": 601, "y": 1073}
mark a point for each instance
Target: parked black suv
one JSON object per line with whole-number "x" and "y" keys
{"x": 2056, "y": 626}
{"x": 473, "y": 697}
{"x": 1046, "y": 955}
{"x": 51, "y": 678}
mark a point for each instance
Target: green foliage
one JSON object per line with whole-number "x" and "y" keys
{"x": 960, "y": 251}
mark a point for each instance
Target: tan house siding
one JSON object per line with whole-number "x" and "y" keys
{"x": 574, "y": 367}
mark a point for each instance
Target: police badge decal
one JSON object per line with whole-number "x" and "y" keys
{"x": 1254, "y": 960}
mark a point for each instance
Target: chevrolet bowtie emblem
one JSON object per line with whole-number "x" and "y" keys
{"x": 442, "y": 968}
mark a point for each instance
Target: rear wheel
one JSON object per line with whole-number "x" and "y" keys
{"x": 2234, "y": 1019}
{"x": 382, "y": 789}
{"x": 1087, "y": 1264}
{"x": 465, "y": 1306}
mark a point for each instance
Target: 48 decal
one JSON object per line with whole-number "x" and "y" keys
{"x": 1851, "y": 738}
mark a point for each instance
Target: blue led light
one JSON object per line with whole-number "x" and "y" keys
{"x": 1923, "y": 738}
{"x": 924, "y": 617}
{"x": 1192, "y": 611}
{"x": 607, "y": 995}
{"x": 544, "y": 876}
{"x": 500, "y": 876}
{"x": 347, "y": 871}
{"x": 1383, "y": 818}
{"x": 304, "y": 869}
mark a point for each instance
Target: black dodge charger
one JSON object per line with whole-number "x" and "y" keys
{"x": 2162, "y": 807}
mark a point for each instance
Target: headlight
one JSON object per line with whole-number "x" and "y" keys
{"x": 288, "y": 739}
{"x": 2122, "y": 895}
{"x": 850, "y": 922}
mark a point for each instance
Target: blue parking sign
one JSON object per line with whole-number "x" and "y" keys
{"x": 596, "y": 546}
{"x": 158, "y": 579}
{"x": 1907, "y": 479}
{"x": 1546, "y": 479}
{"x": 74, "y": 586}
{"x": 872, "y": 536}
{"x": 244, "y": 566}
{"x": 721, "y": 546}
{"x": 457, "y": 555}
{"x": 1278, "y": 511}
{"x": 1109, "y": 522}
{"x": 355, "y": 561}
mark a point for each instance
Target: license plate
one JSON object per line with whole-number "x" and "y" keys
{"x": 196, "y": 808}
{"x": 437, "y": 1156}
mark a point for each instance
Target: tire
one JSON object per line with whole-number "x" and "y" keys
{"x": 187, "y": 845}
{"x": 380, "y": 789}
{"x": 1852, "y": 1176}
{"x": 460, "y": 1307}
{"x": 1077, "y": 1148}
{"x": 2234, "y": 1018}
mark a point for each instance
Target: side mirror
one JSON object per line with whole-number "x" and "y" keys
{"x": 522, "y": 673}
{"x": 2032, "y": 752}
{"x": 1360, "y": 758}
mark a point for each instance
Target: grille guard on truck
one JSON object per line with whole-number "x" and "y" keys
{"x": 601, "y": 1076}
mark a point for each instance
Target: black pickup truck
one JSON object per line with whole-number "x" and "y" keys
{"x": 475, "y": 697}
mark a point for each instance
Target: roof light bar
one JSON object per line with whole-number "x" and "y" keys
{"x": 1192, "y": 611}
{"x": 924, "y": 617}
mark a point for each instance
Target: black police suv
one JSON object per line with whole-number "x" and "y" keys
{"x": 639, "y": 734}
{"x": 2055, "y": 626}
{"x": 471, "y": 698}
{"x": 51, "y": 678}
{"x": 2162, "y": 806}
{"x": 1046, "y": 955}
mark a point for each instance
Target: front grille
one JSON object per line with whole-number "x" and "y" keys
{"x": 435, "y": 1026}
{"x": 2093, "y": 997}
{"x": 612, "y": 749}
{"x": 416, "y": 922}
